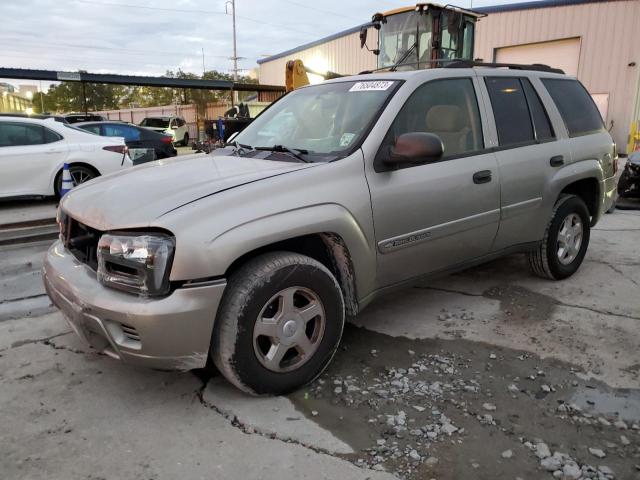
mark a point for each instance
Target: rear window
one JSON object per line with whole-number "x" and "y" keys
{"x": 155, "y": 123}
{"x": 578, "y": 111}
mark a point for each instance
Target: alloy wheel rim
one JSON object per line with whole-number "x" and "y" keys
{"x": 570, "y": 238}
{"x": 289, "y": 329}
{"x": 79, "y": 176}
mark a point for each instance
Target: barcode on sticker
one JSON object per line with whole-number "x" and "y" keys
{"x": 374, "y": 85}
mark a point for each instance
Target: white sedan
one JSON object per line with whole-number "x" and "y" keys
{"x": 33, "y": 152}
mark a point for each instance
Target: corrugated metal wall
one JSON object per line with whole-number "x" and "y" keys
{"x": 609, "y": 42}
{"x": 340, "y": 55}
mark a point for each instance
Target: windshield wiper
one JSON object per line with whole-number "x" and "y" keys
{"x": 240, "y": 148}
{"x": 294, "y": 152}
{"x": 404, "y": 57}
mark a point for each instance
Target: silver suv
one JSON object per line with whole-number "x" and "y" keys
{"x": 251, "y": 257}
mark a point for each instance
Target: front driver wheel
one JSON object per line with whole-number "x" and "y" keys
{"x": 279, "y": 323}
{"x": 185, "y": 140}
{"x": 565, "y": 242}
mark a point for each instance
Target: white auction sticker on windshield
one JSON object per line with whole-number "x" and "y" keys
{"x": 373, "y": 85}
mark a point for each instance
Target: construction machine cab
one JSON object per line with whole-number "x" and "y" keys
{"x": 424, "y": 36}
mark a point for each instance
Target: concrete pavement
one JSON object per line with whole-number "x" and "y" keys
{"x": 494, "y": 335}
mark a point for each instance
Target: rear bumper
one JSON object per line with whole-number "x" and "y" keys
{"x": 172, "y": 332}
{"x": 609, "y": 187}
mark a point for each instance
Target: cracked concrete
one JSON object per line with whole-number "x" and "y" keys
{"x": 271, "y": 417}
{"x": 591, "y": 319}
{"x": 68, "y": 413}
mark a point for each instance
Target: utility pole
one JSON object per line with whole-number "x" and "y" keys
{"x": 235, "y": 51}
{"x": 203, "y": 70}
{"x": 41, "y": 98}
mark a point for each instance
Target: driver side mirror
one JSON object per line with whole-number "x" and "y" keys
{"x": 415, "y": 148}
{"x": 363, "y": 37}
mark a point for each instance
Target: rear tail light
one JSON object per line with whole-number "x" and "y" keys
{"x": 166, "y": 139}
{"x": 116, "y": 148}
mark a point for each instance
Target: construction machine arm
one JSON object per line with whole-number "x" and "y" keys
{"x": 296, "y": 75}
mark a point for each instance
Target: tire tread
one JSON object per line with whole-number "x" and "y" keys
{"x": 539, "y": 258}
{"x": 252, "y": 274}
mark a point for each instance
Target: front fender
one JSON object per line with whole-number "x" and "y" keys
{"x": 228, "y": 246}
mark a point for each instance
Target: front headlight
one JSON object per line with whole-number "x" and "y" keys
{"x": 135, "y": 262}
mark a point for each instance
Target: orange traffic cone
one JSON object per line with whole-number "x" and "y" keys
{"x": 67, "y": 181}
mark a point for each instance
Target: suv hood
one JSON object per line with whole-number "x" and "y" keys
{"x": 135, "y": 197}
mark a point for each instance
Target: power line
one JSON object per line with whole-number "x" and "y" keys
{"x": 121, "y": 51}
{"x": 146, "y": 7}
{"x": 308, "y": 7}
{"x": 86, "y": 61}
{"x": 195, "y": 11}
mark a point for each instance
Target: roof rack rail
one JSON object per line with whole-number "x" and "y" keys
{"x": 536, "y": 67}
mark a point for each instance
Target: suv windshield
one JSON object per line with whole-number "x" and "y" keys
{"x": 321, "y": 120}
{"x": 155, "y": 122}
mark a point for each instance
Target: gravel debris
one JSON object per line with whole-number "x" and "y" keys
{"x": 596, "y": 452}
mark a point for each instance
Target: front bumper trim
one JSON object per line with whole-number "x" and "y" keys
{"x": 172, "y": 332}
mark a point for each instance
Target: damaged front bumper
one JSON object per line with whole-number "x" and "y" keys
{"x": 172, "y": 332}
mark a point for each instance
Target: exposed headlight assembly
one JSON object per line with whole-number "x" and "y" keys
{"x": 136, "y": 262}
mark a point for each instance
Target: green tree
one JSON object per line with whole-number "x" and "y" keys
{"x": 68, "y": 96}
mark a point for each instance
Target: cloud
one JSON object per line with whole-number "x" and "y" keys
{"x": 99, "y": 35}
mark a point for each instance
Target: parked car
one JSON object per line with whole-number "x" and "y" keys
{"x": 252, "y": 256}
{"x": 83, "y": 117}
{"x": 629, "y": 183}
{"x": 135, "y": 138}
{"x": 174, "y": 126}
{"x": 33, "y": 152}
{"x": 57, "y": 118}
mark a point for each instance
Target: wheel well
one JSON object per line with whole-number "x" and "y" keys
{"x": 588, "y": 190}
{"x": 327, "y": 248}
{"x": 59, "y": 172}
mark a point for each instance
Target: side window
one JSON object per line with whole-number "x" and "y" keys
{"x": 510, "y": 111}
{"x": 129, "y": 134}
{"x": 579, "y": 112}
{"x": 93, "y": 129}
{"x": 50, "y": 136}
{"x": 20, "y": 134}
{"x": 447, "y": 108}
{"x": 541, "y": 123}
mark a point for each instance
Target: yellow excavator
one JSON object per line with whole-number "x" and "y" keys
{"x": 409, "y": 38}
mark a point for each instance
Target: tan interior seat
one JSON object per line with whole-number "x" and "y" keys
{"x": 449, "y": 124}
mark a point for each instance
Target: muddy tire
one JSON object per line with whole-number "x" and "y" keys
{"x": 565, "y": 241}
{"x": 279, "y": 323}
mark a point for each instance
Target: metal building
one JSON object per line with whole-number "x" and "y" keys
{"x": 597, "y": 41}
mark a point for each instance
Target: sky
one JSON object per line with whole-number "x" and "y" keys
{"x": 149, "y": 37}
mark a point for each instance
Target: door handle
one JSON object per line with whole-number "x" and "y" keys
{"x": 556, "y": 161}
{"x": 483, "y": 176}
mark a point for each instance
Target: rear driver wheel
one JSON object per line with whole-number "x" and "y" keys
{"x": 565, "y": 242}
{"x": 279, "y": 323}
